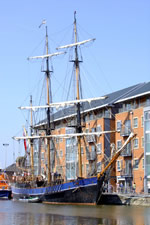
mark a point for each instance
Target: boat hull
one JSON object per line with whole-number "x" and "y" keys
{"x": 83, "y": 191}
{"x": 5, "y": 193}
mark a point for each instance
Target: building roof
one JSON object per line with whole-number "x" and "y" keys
{"x": 122, "y": 95}
{"x": 12, "y": 168}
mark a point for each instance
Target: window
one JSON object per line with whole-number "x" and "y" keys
{"x": 82, "y": 169}
{"x": 87, "y": 130}
{"x": 148, "y": 101}
{"x": 147, "y": 115}
{"x": 128, "y": 167}
{"x": 93, "y": 153}
{"x": 119, "y": 144}
{"x": 92, "y": 129}
{"x": 118, "y": 125}
{"x": 71, "y": 153}
{"x": 81, "y": 150}
{"x": 98, "y": 128}
{"x": 99, "y": 167}
{"x": 99, "y": 114}
{"x": 135, "y": 122}
{"x": 61, "y": 153}
{"x": 118, "y": 165}
{"x": 59, "y": 169}
{"x": 43, "y": 143}
{"x": 70, "y": 170}
{"x": 99, "y": 148}
{"x": 87, "y": 153}
{"x": 136, "y": 164}
{"x": 86, "y": 118}
{"x": 57, "y": 140}
{"x": 147, "y": 142}
{"x": 142, "y": 121}
{"x": 60, "y": 139}
{"x": 87, "y": 169}
{"x": 135, "y": 104}
{"x": 107, "y": 113}
{"x": 136, "y": 143}
{"x": 127, "y": 126}
{"x": 91, "y": 117}
{"x": 128, "y": 106}
{"x": 42, "y": 155}
{"x": 142, "y": 142}
{"x": 147, "y": 160}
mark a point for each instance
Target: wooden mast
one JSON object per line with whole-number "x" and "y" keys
{"x": 31, "y": 141}
{"x": 48, "y": 110}
{"x": 79, "y": 128}
{"x": 47, "y": 72}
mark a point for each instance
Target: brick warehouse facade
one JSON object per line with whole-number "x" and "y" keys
{"x": 123, "y": 111}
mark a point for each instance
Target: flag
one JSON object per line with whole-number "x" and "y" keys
{"x": 25, "y": 134}
{"x": 25, "y": 144}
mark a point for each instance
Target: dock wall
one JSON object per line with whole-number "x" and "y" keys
{"x": 121, "y": 199}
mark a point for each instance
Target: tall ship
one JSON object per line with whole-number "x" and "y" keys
{"x": 54, "y": 187}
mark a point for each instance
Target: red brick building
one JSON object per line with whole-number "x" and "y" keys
{"x": 123, "y": 111}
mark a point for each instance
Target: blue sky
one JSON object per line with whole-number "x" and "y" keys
{"x": 118, "y": 58}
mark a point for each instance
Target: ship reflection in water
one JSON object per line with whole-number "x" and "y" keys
{"x": 20, "y": 213}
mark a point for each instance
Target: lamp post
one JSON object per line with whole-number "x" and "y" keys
{"x": 5, "y": 145}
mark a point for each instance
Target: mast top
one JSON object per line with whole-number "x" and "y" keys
{"x": 74, "y": 16}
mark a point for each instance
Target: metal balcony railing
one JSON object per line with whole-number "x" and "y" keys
{"x": 126, "y": 172}
{"x": 90, "y": 138}
{"x": 126, "y": 152}
{"x": 125, "y": 131}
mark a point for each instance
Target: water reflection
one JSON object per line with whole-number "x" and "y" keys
{"x": 49, "y": 219}
{"x": 18, "y": 213}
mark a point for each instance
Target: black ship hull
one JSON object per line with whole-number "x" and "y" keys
{"x": 79, "y": 195}
{"x": 83, "y": 191}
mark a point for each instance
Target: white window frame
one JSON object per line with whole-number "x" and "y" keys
{"x": 119, "y": 141}
{"x": 99, "y": 167}
{"x": 136, "y": 147}
{"x": 60, "y": 153}
{"x": 99, "y": 148}
{"x": 143, "y": 163}
{"x": 99, "y": 128}
{"x": 87, "y": 169}
{"x": 134, "y": 164}
{"x": 118, "y": 127}
{"x": 82, "y": 150}
{"x": 135, "y": 125}
{"x": 142, "y": 142}
{"x": 142, "y": 121}
{"x": 87, "y": 130}
{"x": 118, "y": 165}
{"x": 91, "y": 116}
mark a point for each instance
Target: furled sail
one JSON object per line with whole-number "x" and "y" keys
{"x": 62, "y": 104}
{"x": 76, "y": 44}
{"x": 46, "y": 56}
{"x": 63, "y": 135}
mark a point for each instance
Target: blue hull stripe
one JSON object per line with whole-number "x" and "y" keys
{"x": 56, "y": 188}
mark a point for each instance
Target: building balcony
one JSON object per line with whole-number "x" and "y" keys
{"x": 126, "y": 152}
{"x": 126, "y": 173}
{"x": 125, "y": 131}
{"x": 90, "y": 138}
{"x": 91, "y": 155}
